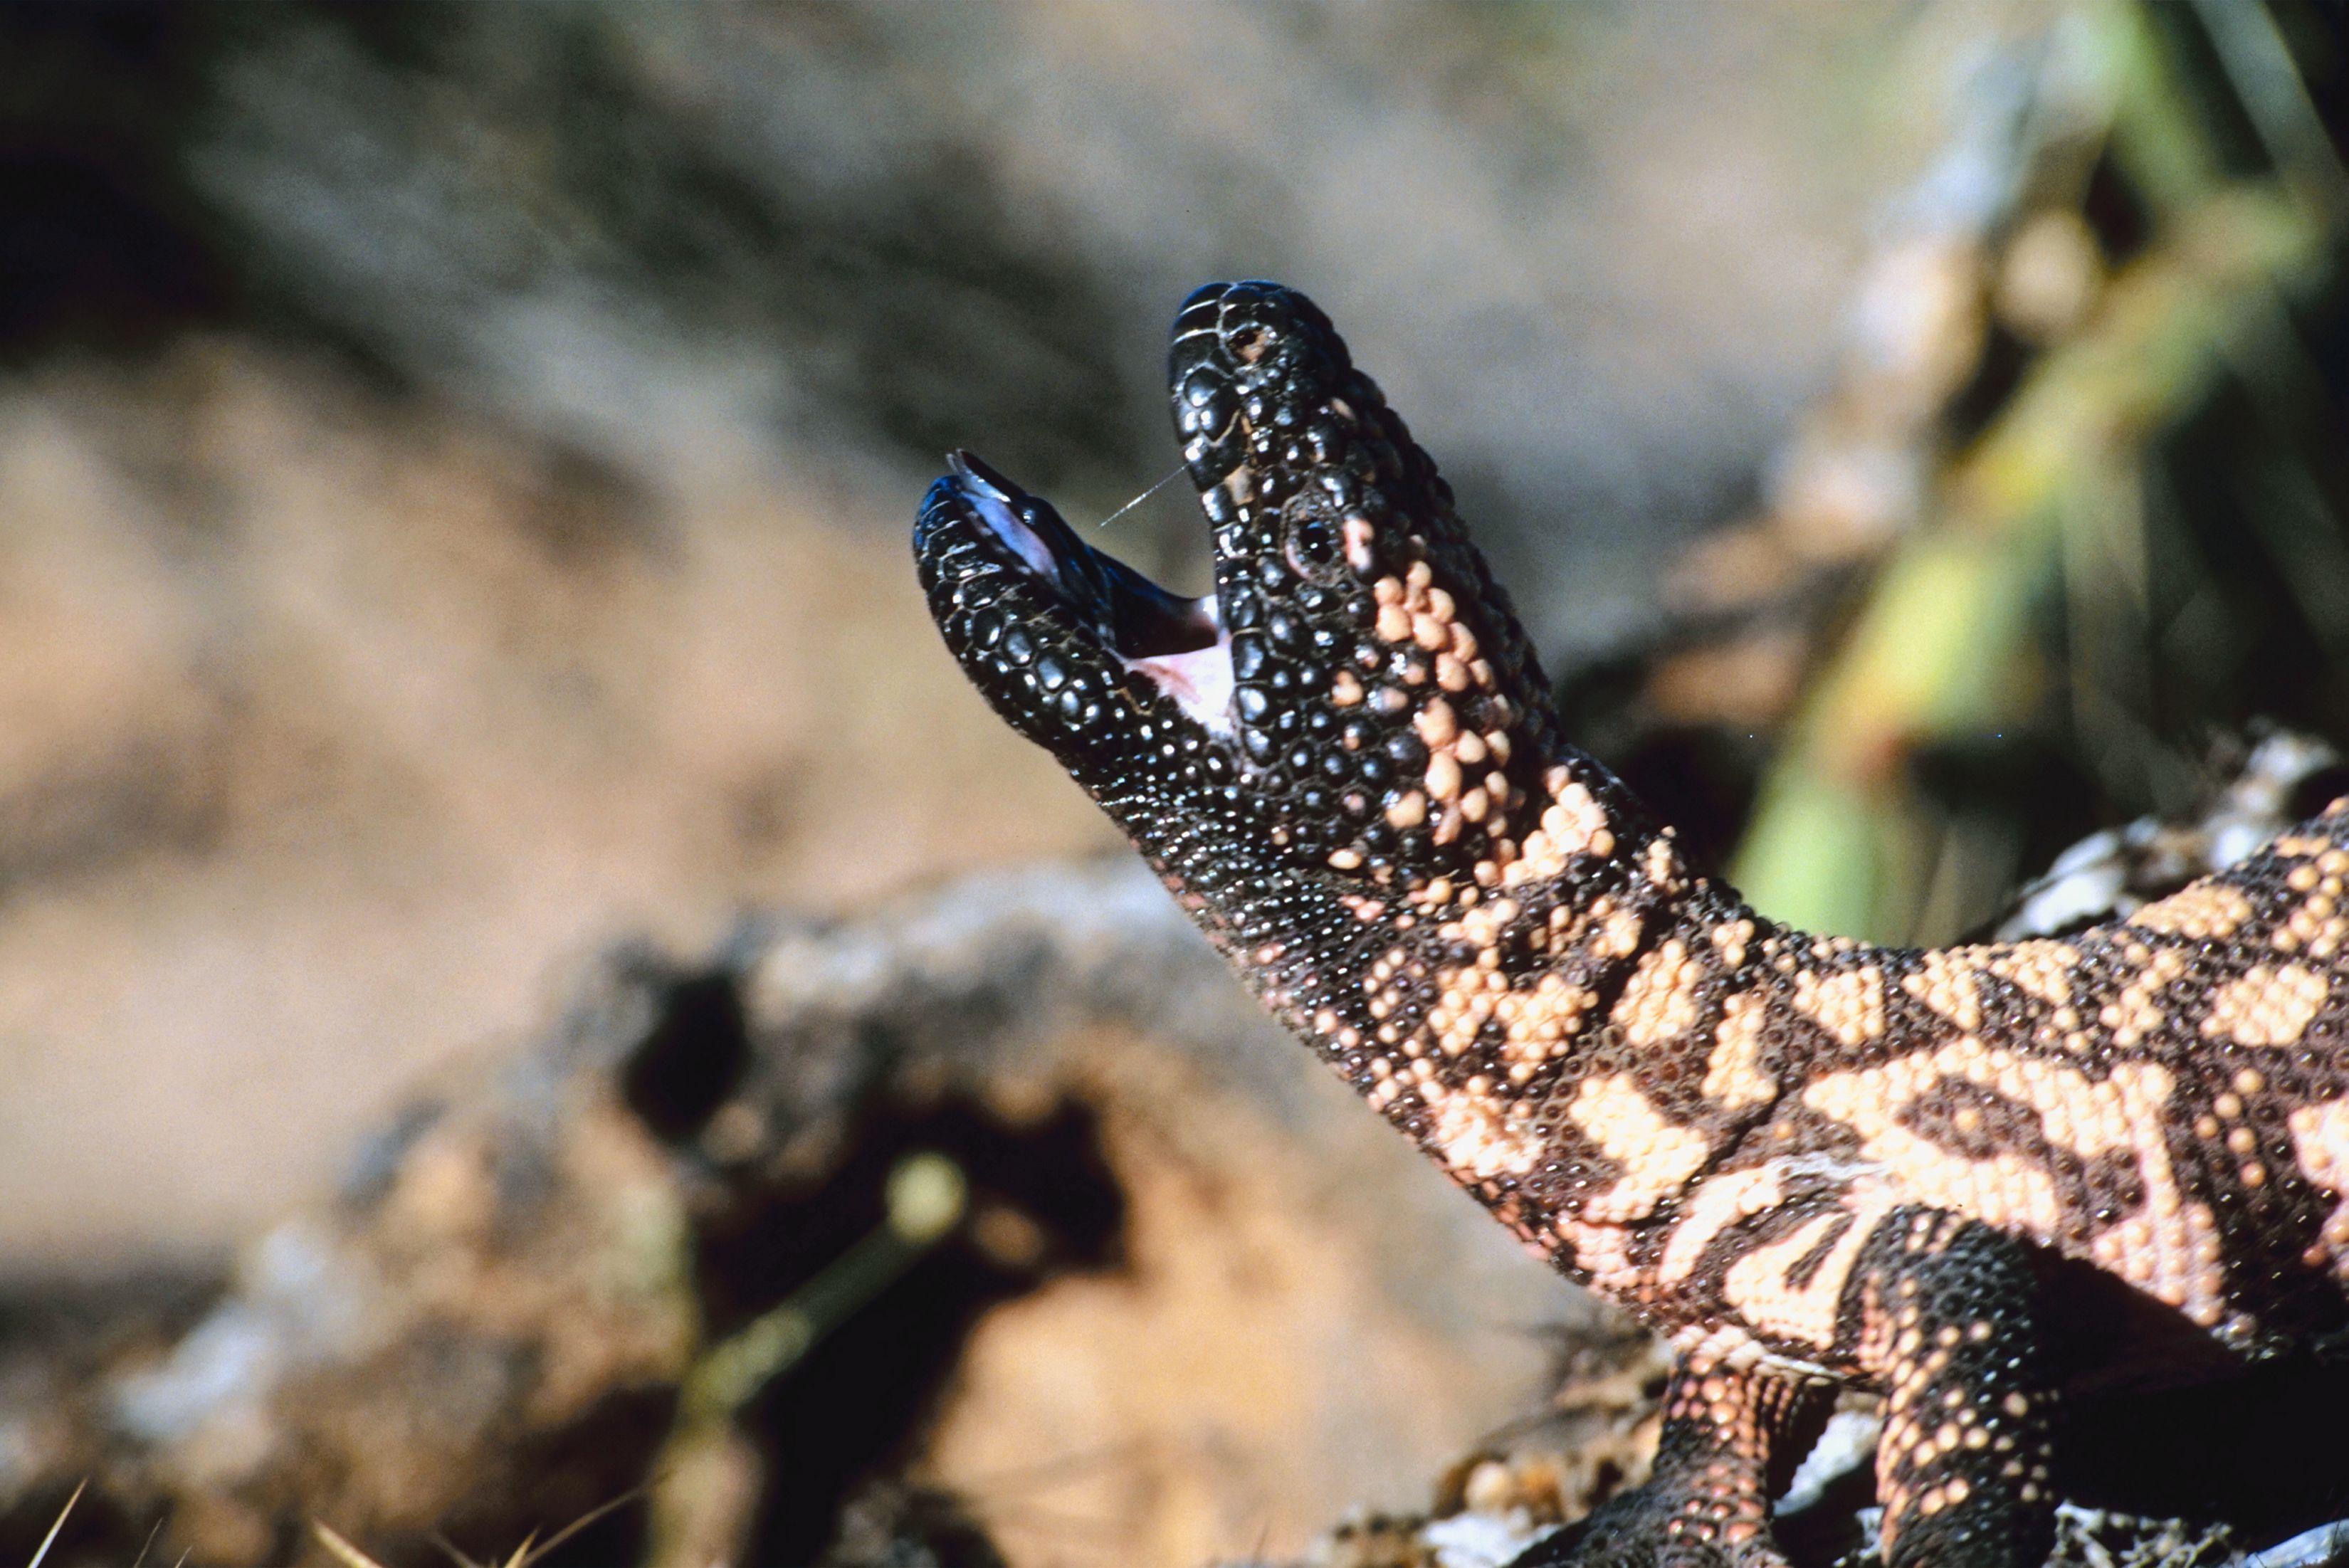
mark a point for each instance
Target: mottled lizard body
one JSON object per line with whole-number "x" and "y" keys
{"x": 1993, "y": 1182}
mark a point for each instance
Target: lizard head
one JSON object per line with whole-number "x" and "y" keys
{"x": 1354, "y": 706}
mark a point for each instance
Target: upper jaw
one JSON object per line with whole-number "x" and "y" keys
{"x": 1249, "y": 359}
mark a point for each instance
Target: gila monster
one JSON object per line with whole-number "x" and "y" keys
{"x": 2077, "y": 1208}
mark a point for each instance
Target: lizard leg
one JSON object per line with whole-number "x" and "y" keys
{"x": 1707, "y": 1501}
{"x": 1946, "y": 1328}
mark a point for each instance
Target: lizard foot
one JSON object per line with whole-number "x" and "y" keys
{"x": 1668, "y": 1523}
{"x": 1707, "y": 1503}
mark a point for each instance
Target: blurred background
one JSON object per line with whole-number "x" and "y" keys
{"x": 455, "y": 467}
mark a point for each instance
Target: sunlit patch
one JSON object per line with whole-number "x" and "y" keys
{"x": 2165, "y": 1245}
{"x": 1658, "y": 1158}
{"x": 1476, "y": 1135}
{"x": 1763, "y": 1289}
{"x": 2200, "y": 911}
{"x": 2040, "y": 968}
{"x": 2268, "y": 1006}
{"x": 1849, "y": 1006}
{"x": 1736, "y": 1076}
{"x": 2320, "y": 1137}
{"x": 1718, "y": 1205}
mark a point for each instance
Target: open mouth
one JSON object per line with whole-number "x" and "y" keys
{"x": 1178, "y": 644}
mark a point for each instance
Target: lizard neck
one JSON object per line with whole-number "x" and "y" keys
{"x": 1515, "y": 1028}
{"x": 1548, "y": 1026}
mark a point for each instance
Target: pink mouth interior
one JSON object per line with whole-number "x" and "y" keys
{"x": 1200, "y": 681}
